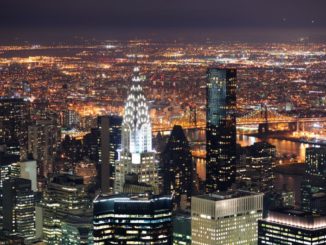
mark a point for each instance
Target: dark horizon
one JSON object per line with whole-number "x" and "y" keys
{"x": 187, "y": 35}
{"x": 251, "y": 20}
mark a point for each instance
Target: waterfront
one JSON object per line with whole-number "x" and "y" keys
{"x": 283, "y": 147}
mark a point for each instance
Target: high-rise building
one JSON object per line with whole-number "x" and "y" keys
{"x": 132, "y": 219}
{"x": 284, "y": 226}
{"x": 136, "y": 168}
{"x": 91, "y": 144}
{"x": 220, "y": 129}
{"x": 109, "y": 143}
{"x": 14, "y": 117}
{"x": 19, "y": 207}
{"x": 313, "y": 186}
{"x": 69, "y": 119}
{"x": 178, "y": 168}
{"x": 225, "y": 218}
{"x": 43, "y": 138}
{"x": 6, "y": 161}
{"x": 316, "y": 161}
{"x": 64, "y": 201}
{"x": 255, "y": 171}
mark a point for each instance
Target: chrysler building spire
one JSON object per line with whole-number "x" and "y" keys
{"x": 136, "y": 126}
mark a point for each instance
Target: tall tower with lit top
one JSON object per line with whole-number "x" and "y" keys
{"x": 136, "y": 167}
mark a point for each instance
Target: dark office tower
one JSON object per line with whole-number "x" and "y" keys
{"x": 91, "y": 145}
{"x": 284, "y": 226}
{"x": 6, "y": 161}
{"x": 316, "y": 161}
{"x": 19, "y": 207}
{"x": 220, "y": 129}
{"x": 132, "y": 219}
{"x": 109, "y": 143}
{"x": 43, "y": 138}
{"x": 177, "y": 165}
{"x": 313, "y": 187}
{"x": 255, "y": 171}
{"x": 14, "y": 117}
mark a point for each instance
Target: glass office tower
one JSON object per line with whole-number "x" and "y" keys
{"x": 220, "y": 129}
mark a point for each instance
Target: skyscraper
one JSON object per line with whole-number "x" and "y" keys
{"x": 132, "y": 219}
{"x": 177, "y": 166}
{"x": 313, "y": 186}
{"x": 14, "y": 116}
{"x": 136, "y": 168}
{"x": 284, "y": 226}
{"x": 6, "y": 161}
{"x": 19, "y": 207}
{"x": 255, "y": 172}
{"x": 109, "y": 143}
{"x": 43, "y": 137}
{"x": 220, "y": 129}
{"x": 225, "y": 218}
{"x": 65, "y": 200}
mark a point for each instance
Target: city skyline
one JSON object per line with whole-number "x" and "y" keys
{"x": 162, "y": 122}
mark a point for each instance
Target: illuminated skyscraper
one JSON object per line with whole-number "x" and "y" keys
{"x": 136, "y": 157}
{"x": 109, "y": 143}
{"x": 220, "y": 129}
{"x": 225, "y": 218}
{"x": 177, "y": 166}
{"x": 132, "y": 219}
{"x": 288, "y": 226}
{"x": 19, "y": 207}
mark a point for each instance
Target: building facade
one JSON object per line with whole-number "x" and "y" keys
{"x": 285, "y": 226}
{"x": 19, "y": 208}
{"x": 109, "y": 143}
{"x": 313, "y": 187}
{"x": 225, "y": 218}
{"x": 65, "y": 200}
{"x": 132, "y": 219}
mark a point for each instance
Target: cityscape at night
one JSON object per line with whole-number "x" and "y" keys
{"x": 163, "y": 123}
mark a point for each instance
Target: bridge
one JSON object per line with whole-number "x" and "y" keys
{"x": 263, "y": 117}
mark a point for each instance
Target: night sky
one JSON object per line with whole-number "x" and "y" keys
{"x": 162, "y": 14}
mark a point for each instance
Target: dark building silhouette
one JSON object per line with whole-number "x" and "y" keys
{"x": 177, "y": 165}
{"x": 133, "y": 219}
{"x": 255, "y": 170}
{"x": 91, "y": 145}
{"x": 220, "y": 129}
{"x": 14, "y": 118}
{"x": 109, "y": 143}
